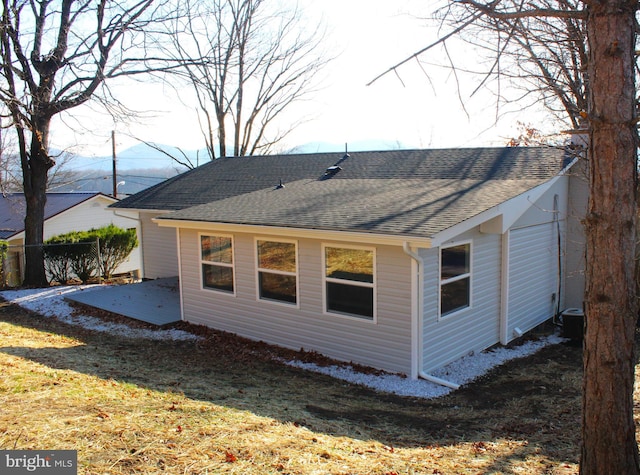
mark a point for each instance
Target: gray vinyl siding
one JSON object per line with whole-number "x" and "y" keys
{"x": 532, "y": 268}
{"x": 475, "y": 328}
{"x": 385, "y": 344}
{"x": 533, "y": 276}
{"x": 534, "y": 260}
{"x": 159, "y": 250}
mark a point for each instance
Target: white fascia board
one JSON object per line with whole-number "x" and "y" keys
{"x": 95, "y": 198}
{"x": 508, "y": 212}
{"x": 369, "y": 238}
{"x": 13, "y": 237}
{"x": 136, "y": 213}
{"x": 143, "y": 210}
{"x": 125, "y": 213}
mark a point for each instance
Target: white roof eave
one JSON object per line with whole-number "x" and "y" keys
{"x": 336, "y": 235}
{"x": 504, "y": 215}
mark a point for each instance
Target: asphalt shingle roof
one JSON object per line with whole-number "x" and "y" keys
{"x": 408, "y": 207}
{"x": 409, "y": 192}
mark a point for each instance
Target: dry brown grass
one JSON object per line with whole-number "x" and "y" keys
{"x": 143, "y": 407}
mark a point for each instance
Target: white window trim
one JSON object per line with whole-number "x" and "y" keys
{"x": 454, "y": 279}
{"x": 221, "y": 264}
{"x": 374, "y": 285}
{"x": 273, "y": 271}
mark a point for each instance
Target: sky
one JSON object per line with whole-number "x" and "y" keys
{"x": 367, "y": 37}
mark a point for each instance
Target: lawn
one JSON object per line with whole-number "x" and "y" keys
{"x": 221, "y": 405}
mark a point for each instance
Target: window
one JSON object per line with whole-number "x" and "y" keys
{"x": 216, "y": 254}
{"x": 277, "y": 271}
{"x": 349, "y": 281}
{"x": 455, "y": 278}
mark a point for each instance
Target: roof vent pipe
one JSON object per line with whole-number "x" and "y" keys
{"x": 332, "y": 170}
{"x": 345, "y": 156}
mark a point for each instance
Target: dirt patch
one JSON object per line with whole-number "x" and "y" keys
{"x": 542, "y": 374}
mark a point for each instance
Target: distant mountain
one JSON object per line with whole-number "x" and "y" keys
{"x": 144, "y": 157}
{"x": 142, "y": 166}
{"x": 140, "y": 157}
{"x": 357, "y": 146}
{"x": 128, "y": 181}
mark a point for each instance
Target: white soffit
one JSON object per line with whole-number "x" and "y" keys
{"x": 500, "y": 218}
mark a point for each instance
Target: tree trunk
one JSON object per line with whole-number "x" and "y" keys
{"x": 33, "y": 237}
{"x": 608, "y": 430}
{"x": 34, "y": 172}
{"x": 222, "y": 135}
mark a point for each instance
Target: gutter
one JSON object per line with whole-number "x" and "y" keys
{"x": 417, "y": 327}
{"x": 287, "y": 231}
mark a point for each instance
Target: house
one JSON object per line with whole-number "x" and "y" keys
{"x": 64, "y": 212}
{"x": 402, "y": 260}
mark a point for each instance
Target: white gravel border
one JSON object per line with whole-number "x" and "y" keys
{"x": 461, "y": 371}
{"x": 51, "y": 302}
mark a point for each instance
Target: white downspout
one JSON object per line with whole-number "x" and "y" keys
{"x": 504, "y": 284}
{"x": 417, "y": 331}
{"x": 180, "y": 279}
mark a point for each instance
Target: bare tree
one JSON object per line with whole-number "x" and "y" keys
{"x": 529, "y": 136}
{"x": 543, "y": 58}
{"x": 9, "y": 169}
{"x": 604, "y": 70}
{"x": 61, "y": 175}
{"x": 57, "y": 55}
{"x": 260, "y": 62}
{"x": 179, "y": 156}
{"x": 526, "y": 60}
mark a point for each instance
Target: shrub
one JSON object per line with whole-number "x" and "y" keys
{"x": 4, "y": 248}
{"x": 70, "y": 254}
{"x": 85, "y": 260}
{"x": 58, "y": 255}
{"x": 83, "y": 253}
{"x": 115, "y": 246}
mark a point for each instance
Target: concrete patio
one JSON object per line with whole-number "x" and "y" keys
{"x": 152, "y": 301}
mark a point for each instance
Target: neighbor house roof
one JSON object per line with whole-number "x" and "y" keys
{"x": 13, "y": 208}
{"x": 407, "y": 192}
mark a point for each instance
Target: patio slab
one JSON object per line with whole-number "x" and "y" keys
{"x": 152, "y": 301}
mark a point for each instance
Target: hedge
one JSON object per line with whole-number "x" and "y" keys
{"x": 85, "y": 253}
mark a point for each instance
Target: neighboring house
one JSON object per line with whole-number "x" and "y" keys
{"x": 64, "y": 212}
{"x": 401, "y": 260}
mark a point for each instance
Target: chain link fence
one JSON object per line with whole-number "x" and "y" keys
{"x": 64, "y": 263}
